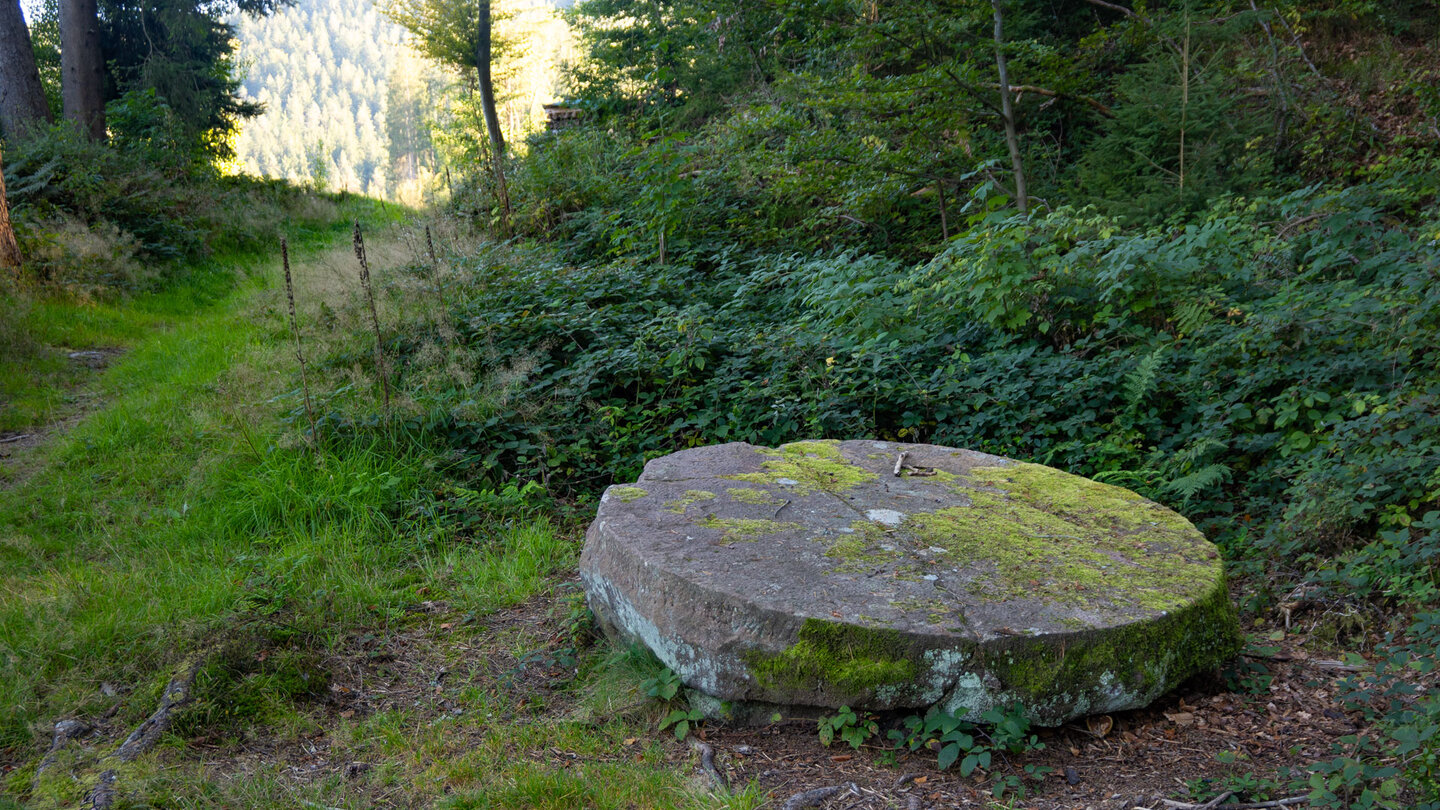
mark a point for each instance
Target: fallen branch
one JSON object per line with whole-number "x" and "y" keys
{"x": 707, "y": 763}
{"x": 812, "y": 798}
{"x": 899, "y": 463}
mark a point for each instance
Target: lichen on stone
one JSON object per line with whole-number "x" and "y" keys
{"x": 679, "y": 505}
{"x": 744, "y": 530}
{"x": 627, "y": 494}
{"x": 812, "y": 467}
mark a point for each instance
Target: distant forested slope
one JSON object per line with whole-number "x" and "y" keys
{"x": 350, "y": 106}
{"x": 342, "y": 97}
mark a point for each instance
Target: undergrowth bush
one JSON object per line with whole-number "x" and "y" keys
{"x": 132, "y": 215}
{"x": 1269, "y": 369}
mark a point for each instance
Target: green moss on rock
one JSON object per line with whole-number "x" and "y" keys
{"x": 856, "y": 661}
{"x": 755, "y": 497}
{"x": 744, "y": 530}
{"x": 1048, "y": 534}
{"x": 627, "y": 494}
{"x": 1067, "y": 675}
{"x": 807, "y": 467}
{"x": 679, "y": 505}
{"x": 863, "y": 549}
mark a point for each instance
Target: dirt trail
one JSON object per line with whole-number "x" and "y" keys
{"x": 17, "y": 446}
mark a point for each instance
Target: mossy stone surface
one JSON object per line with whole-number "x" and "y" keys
{"x": 812, "y": 575}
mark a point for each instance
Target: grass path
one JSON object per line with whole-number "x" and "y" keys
{"x": 182, "y": 520}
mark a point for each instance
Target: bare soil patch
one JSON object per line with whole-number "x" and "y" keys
{"x": 521, "y": 655}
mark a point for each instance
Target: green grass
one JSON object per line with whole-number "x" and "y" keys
{"x": 183, "y": 518}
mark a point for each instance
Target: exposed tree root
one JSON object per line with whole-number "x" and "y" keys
{"x": 812, "y": 798}
{"x": 65, "y": 731}
{"x": 102, "y": 795}
{"x": 179, "y": 692}
{"x": 707, "y": 763}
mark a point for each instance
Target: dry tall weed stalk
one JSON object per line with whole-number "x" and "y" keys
{"x": 295, "y": 330}
{"x": 380, "y": 369}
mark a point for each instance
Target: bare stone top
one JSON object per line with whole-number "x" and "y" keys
{"x": 814, "y": 574}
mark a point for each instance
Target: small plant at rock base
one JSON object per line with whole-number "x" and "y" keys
{"x": 953, "y": 738}
{"x": 682, "y": 720}
{"x": 850, "y": 727}
{"x": 665, "y": 687}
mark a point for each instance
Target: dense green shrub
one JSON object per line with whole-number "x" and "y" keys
{"x": 129, "y": 215}
{"x": 1267, "y": 369}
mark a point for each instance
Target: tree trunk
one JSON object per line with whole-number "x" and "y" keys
{"x": 9, "y": 250}
{"x": 22, "y": 97}
{"x": 1007, "y": 111}
{"x": 81, "y": 67}
{"x": 492, "y": 119}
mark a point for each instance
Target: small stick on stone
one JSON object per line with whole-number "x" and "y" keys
{"x": 900, "y": 463}
{"x": 707, "y": 763}
{"x": 813, "y": 798}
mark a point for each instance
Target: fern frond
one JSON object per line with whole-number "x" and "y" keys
{"x": 1207, "y": 477}
{"x": 1190, "y": 316}
{"x": 1140, "y": 383}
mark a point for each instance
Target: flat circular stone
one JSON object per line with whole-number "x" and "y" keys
{"x": 814, "y": 575}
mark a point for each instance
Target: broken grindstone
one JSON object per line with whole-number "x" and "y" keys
{"x": 828, "y": 574}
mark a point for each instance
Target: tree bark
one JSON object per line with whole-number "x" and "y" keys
{"x": 1007, "y": 111}
{"x": 22, "y": 97}
{"x": 487, "y": 106}
{"x": 82, "y": 67}
{"x": 9, "y": 250}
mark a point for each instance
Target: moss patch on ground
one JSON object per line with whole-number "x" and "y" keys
{"x": 1069, "y": 540}
{"x": 812, "y": 466}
